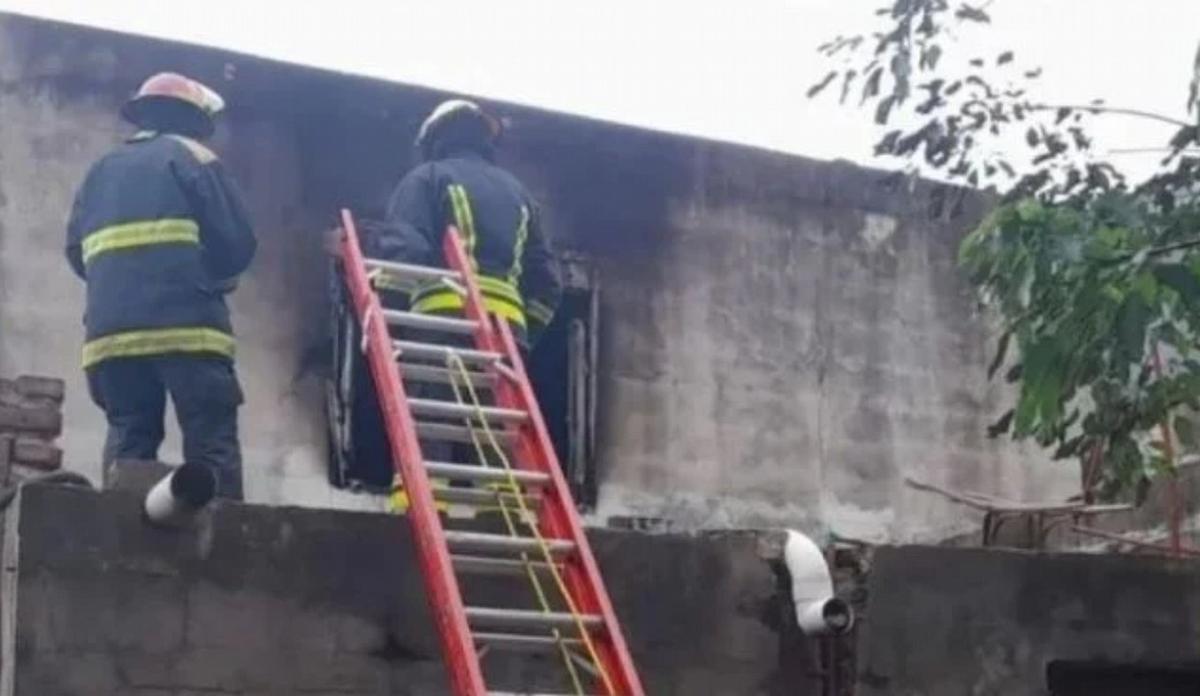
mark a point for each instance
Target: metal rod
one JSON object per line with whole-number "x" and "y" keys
{"x": 413, "y": 271}
{"x": 415, "y": 372}
{"x": 483, "y": 497}
{"x": 485, "y": 473}
{"x": 441, "y": 352}
{"x": 499, "y": 543}
{"x": 448, "y": 409}
{"x": 528, "y": 618}
{"x": 456, "y": 433}
{"x": 523, "y": 641}
{"x": 431, "y": 322}
{"x": 485, "y": 565}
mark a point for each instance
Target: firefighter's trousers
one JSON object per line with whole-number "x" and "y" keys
{"x": 206, "y": 396}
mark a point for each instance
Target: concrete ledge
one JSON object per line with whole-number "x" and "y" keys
{"x": 947, "y": 622}
{"x": 285, "y": 601}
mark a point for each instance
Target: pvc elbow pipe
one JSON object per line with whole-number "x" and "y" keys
{"x": 175, "y": 500}
{"x": 818, "y": 611}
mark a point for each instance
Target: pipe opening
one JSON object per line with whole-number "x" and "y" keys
{"x": 194, "y": 484}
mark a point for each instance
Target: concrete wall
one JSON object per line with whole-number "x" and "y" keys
{"x": 946, "y": 622}
{"x": 287, "y": 601}
{"x": 783, "y": 340}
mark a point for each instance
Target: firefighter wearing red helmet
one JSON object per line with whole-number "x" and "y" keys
{"x": 160, "y": 235}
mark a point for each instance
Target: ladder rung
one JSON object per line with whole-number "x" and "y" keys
{"x": 500, "y": 543}
{"x": 492, "y": 474}
{"x": 526, "y": 693}
{"x": 485, "y": 497}
{"x": 484, "y": 565}
{"x": 460, "y": 433}
{"x": 435, "y": 408}
{"x": 418, "y": 320}
{"x": 529, "y": 618}
{"x": 437, "y": 351}
{"x": 524, "y": 641}
{"x": 414, "y": 372}
{"x": 411, "y": 271}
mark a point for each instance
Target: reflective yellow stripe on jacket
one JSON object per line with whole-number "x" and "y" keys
{"x": 514, "y": 273}
{"x": 128, "y": 344}
{"x": 464, "y": 220}
{"x": 499, "y": 297}
{"x": 541, "y": 313}
{"x": 140, "y": 234}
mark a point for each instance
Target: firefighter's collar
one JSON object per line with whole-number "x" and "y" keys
{"x": 142, "y": 135}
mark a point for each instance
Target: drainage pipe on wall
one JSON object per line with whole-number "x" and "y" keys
{"x": 175, "y": 500}
{"x": 818, "y": 611}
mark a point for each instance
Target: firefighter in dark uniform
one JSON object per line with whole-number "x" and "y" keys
{"x": 160, "y": 235}
{"x": 458, "y": 183}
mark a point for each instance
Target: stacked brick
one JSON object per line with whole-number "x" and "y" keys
{"x": 30, "y": 422}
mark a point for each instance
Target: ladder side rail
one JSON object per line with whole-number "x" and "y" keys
{"x": 445, "y": 599}
{"x": 485, "y": 335}
{"x": 535, "y": 450}
{"x": 562, "y": 520}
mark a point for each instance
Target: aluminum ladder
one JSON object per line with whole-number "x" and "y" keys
{"x": 549, "y": 547}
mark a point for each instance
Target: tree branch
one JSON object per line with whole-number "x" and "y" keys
{"x": 1100, "y": 108}
{"x": 1147, "y": 150}
{"x": 1152, "y": 251}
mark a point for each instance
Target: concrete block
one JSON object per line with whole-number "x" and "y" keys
{"x": 43, "y": 420}
{"x": 142, "y": 672}
{"x": 234, "y": 618}
{"x": 134, "y": 475}
{"x": 49, "y": 388}
{"x": 36, "y": 453}
{"x": 947, "y": 621}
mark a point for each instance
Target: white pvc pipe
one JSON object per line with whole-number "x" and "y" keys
{"x": 175, "y": 500}
{"x": 818, "y": 611}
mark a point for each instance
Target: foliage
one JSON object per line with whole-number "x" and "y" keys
{"x": 1096, "y": 281}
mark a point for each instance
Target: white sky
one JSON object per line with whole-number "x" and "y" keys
{"x": 733, "y": 70}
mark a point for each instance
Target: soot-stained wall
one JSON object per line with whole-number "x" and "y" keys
{"x": 783, "y": 340}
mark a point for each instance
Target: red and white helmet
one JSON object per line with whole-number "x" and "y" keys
{"x": 168, "y": 88}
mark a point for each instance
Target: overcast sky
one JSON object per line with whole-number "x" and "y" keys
{"x": 733, "y": 70}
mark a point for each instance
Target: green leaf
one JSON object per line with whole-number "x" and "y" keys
{"x": 1001, "y": 425}
{"x": 871, "y": 86}
{"x": 932, "y": 55}
{"x": 1194, "y": 87}
{"x": 1001, "y": 351}
{"x": 1144, "y": 284}
{"x": 972, "y": 14}
{"x": 1132, "y": 318}
{"x": 1185, "y": 430}
{"x": 884, "y": 110}
{"x": 816, "y": 89}
{"x": 1181, "y": 279}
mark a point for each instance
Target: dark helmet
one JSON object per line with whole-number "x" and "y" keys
{"x": 460, "y": 122}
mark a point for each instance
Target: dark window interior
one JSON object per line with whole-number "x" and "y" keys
{"x": 1082, "y": 678}
{"x": 555, "y": 370}
{"x": 560, "y": 369}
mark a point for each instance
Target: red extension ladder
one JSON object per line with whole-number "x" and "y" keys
{"x": 545, "y": 542}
